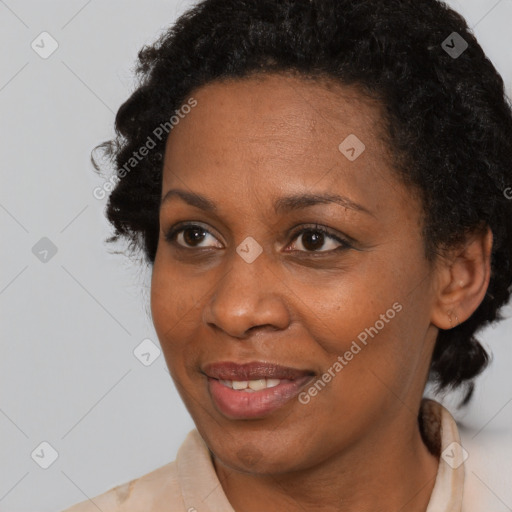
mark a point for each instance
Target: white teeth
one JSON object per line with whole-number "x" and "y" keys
{"x": 272, "y": 382}
{"x": 258, "y": 384}
{"x": 251, "y": 385}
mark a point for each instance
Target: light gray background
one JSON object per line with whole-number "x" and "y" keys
{"x": 69, "y": 325}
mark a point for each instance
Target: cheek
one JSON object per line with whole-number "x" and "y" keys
{"x": 173, "y": 307}
{"x": 350, "y": 305}
{"x": 365, "y": 340}
{"x": 375, "y": 320}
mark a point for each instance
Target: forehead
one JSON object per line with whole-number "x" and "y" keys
{"x": 287, "y": 101}
{"x": 279, "y": 116}
{"x": 269, "y": 134}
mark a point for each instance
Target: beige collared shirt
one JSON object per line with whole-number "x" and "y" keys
{"x": 190, "y": 483}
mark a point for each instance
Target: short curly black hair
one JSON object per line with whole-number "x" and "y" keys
{"x": 448, "y": 119}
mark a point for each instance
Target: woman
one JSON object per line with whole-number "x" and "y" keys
{"x": 319, "y": 187}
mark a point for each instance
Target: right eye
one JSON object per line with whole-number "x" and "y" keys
{"x": 189, "y": 236}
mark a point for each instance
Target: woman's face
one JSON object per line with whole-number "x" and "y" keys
{"x": 349, "y": 307}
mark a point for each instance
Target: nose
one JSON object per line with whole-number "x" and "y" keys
{"x": 248, "y": 296}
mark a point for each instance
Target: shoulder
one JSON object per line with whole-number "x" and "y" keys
{"x": 488, "y": 470}
{"x": 474, "y": 473}
{"x": 185, "y": 480}
{"x": 156, "y": 490}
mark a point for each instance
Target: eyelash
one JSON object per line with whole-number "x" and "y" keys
{"x": 315, "y": 228}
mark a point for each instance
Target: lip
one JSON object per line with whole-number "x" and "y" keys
{"x": 239, "y": 404}
{"x": 229, "y": 370}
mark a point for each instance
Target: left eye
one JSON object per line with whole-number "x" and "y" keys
{"x": 313, "y": 238}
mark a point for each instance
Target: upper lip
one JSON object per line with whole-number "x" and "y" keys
{"x": 254, "y": 370}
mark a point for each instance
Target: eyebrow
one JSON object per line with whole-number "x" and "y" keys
{"x": 281, "y": 205}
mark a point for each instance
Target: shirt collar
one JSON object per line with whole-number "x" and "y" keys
{"x": 200, "y": 486}
{"x": 442, "y": 436}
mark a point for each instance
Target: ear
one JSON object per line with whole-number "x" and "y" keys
{"x": 463, "y": 278}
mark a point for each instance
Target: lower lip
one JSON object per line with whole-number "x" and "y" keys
{"x": 239, "y": 404}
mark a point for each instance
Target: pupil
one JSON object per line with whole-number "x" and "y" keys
{"x": 197, "y": 236}
{"x": 316, "y": 239}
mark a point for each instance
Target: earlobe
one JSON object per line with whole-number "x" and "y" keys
{"x": 464, "y": 275}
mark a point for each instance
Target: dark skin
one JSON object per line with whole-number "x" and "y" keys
{"x": 356, "y": 446}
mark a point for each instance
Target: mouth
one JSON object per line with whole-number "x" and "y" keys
{"x": 255, "y": 389}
